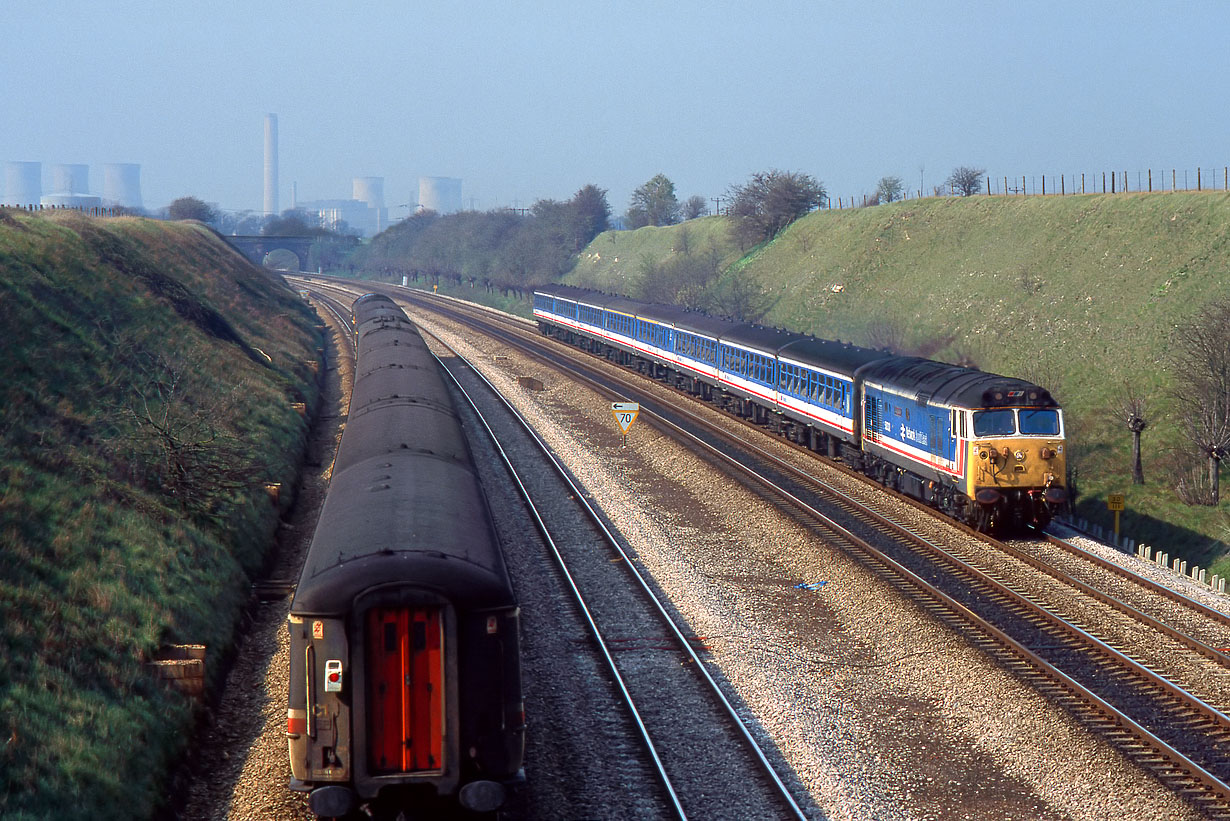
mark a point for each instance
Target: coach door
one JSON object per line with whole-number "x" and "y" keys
{"x": 405, "y": 690}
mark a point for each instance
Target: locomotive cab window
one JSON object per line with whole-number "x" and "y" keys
{"x": 1039, "y": 422}
{"x": 994, "y": 423}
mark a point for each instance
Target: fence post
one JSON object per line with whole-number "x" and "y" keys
{"x": 1172, "y": 180}
{"x": 1062, "y": 189}
{"x": 1082, "y": 182}
{"x": 1198, "y": 178}
{"x": 1024, "y": 186}
{"x": 1044, "y": 185}
{"x": 1150, "y": 180}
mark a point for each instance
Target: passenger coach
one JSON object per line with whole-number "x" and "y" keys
{"x": 405, "y": 685}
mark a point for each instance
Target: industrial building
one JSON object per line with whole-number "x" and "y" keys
{"x": 364, "y": 214}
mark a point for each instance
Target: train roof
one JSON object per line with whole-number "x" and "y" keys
{"x": 571, "y": 292}
{"x": 688, "y": 320}
{"x": 831, "y": 355}
{"x": 430, "y": 528}
{"x": 946, "y": 384}
{"x": 759, "y": 337}
{"x": 404, "y": 502}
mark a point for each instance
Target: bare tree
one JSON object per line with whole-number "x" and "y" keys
{"x": 770, "y": 201}
{"x": 1134, "y": 411}
{"x": 180, "y": 437}
{"x": 889, "y": 189}
{"x": 887, "y": 335}
{"x": 743, "y": 299}
{"x": 966, "y": 181}
{"x": 695, "y": 206}
{"x": 1202, "y": 356}
{"x": 683, "y": 279}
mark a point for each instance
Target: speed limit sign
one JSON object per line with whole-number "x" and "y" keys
{"x": 625, "y": 414}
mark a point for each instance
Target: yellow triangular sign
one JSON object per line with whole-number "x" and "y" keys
{"x": 625, "y": 413}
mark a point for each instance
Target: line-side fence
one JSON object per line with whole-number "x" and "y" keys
{"x": 1202, "y": 178}
{"x": 93, "y": 212}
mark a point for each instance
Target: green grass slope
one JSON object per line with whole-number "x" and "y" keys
{"x": 614, "y": 261}
{"x": 1080, "y": 293}
{"x": 146, "y": 396}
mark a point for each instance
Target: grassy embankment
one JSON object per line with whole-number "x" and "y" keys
{"x": 147, "y": 389}
{"x": 1080, "y": 293}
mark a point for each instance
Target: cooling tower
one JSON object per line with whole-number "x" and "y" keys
{"x": 122, "y": 185}
{"x": 271, "y": 164}
{"x": 440, "y": 194}
{"x": 83, "y": 202}
{"x": 70, "y": 178}
{"x": 369, "y": 190}
{"x": 23, "y": 183}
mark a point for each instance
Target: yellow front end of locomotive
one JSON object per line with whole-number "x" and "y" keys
{"x": 1034, "y": 465}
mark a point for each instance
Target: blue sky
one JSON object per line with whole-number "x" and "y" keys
{"x": 525, "y": 101}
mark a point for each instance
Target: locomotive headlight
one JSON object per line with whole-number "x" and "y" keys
{"x": 1020, "y": 455}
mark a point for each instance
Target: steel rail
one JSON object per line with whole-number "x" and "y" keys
{"x": 1211, "y": 783}
{"x": 1176, "y": 759}
{"x": 614, "y": 543}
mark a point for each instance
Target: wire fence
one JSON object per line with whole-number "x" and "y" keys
{"x": 1150, "y": 180}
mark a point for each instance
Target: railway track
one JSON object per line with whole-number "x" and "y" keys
{"x": 689, "y": 728}
{"x": 1150, "y": 715}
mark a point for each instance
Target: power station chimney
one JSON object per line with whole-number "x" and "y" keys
{"x": 271, "y": 164}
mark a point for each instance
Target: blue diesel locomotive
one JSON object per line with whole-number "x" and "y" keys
{"x": 986, "y": 450}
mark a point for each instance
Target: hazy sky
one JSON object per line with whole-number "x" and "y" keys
{"x": 533, "y": 100}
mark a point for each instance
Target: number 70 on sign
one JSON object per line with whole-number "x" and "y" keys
{"x": 625, "y": 414}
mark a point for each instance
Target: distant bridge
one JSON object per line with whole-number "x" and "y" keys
{"x": 256, "y": 248}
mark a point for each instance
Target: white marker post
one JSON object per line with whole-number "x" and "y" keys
{"x": 625, "y": 414}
